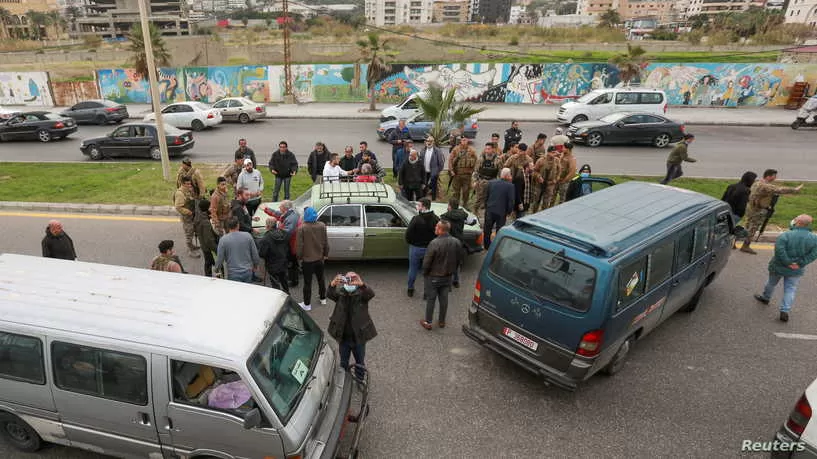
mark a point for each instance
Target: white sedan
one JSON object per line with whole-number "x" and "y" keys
{"x": 193, "y": 115}
{"x": 240, "y": 109}
{"x": 798, "y": 436}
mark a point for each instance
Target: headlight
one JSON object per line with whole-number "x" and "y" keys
{"x": 581, "y": 131}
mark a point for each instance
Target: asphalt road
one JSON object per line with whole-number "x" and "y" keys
{"x": 722, "y": 151}
{"x": 695, "y": 388}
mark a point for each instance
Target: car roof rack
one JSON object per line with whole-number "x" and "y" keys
{"x": 338, "y": 189}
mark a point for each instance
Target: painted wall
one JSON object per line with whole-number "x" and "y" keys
{"x": 25, "y": 88}
{"x": 68, "y": 93}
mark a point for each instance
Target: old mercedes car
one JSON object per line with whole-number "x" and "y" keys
{"x": 42, "y": 126}
{"x": 365, "y": 220}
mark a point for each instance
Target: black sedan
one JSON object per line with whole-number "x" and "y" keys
{"x": 42, "y": 126}
{"x": 137, "y": 140}
{"x": 627, "y": 128}
{"x": 99, "y": 112}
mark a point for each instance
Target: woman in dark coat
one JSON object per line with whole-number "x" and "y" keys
{"x": 350, "y": 323}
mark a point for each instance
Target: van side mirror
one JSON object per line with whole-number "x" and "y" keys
{"x": 252, "y": 419}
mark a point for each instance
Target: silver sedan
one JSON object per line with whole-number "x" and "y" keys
{"x": 240, "y": 109}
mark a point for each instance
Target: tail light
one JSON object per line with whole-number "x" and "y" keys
{"x": 799, "y": 417}
{"x": 177, "y": 141}
{"x": 210, "y": 116}
{"x": 474, "y": 126}
{"x": 59, "y": 125}
{"x": 480, "y": 239}
{"x": 590, "y": 344}
{"x": 665, "y": 109}
{"x": 112, "y": 109}
{"x": 259, "y": 109}
{"x": 683, "y": 129}
{"x": 477, "y": 289}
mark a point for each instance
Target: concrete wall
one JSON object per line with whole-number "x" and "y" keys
{"x": 68, "y": 93}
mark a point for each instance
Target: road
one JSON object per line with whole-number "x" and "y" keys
{"x": 722, "y": 151}
{"x": 695, "y": 388}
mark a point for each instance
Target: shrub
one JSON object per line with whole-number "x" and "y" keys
{"x": 92, "y": 41}
{"x": 694, "y": 37}
{"x": 721, "y": 37}
{"x": 514, "y": 41}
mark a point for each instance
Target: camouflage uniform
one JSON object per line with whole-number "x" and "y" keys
{"x": 516, "y": 163}
{"x": 487, "y": 170}
{"x": 760, "y": 199}
{"x": 546, "y": 174}
{"x": 184, "y": 202}
{"x": 231, "y": 174}
{"x": 566, "y": 173}
{"x": 219, "y": 211}
{"x": 163, "y": 263}
{"x": 461, "y": 163}
{"x": 195, "y": 177}
{"x": 539, "y": 151}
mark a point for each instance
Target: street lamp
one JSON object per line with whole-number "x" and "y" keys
{"x": 154, "y": 88}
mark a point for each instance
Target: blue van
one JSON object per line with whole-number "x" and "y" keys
{"x": 567, "y": 292}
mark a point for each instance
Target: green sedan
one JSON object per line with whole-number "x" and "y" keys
{"x": 365, "y": 220}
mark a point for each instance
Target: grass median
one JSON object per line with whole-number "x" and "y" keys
{"x": 141, "y": 183}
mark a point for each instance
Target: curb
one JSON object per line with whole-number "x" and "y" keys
{"x": 163, "y": 211}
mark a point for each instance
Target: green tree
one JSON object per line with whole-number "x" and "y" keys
{"x": 161, "y": 56}
{"x": 37, "y": 21}
{"x": 375, "y": 53}
{"x": 630, "y": 63}
{"x": 610, "y": 19}
{"x": 439, "y": 105}
{"x": 698, "y": 21}
{"x": 72, "y": 13}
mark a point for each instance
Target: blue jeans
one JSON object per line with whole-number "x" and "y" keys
{"x": 736, "y": 219}
{"x": 358, "y": 350}
{"x": 277, "y": 190}
{"x": 789, "y": 289}
{"x": 416, "y": 255}
{"x": 245, "y": 277}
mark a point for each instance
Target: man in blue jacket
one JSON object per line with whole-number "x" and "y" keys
{"x": 793, "y": 250}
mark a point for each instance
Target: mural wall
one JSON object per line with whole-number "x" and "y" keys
{"x": 68, "y": 93}
{"x": 25, "y": 88}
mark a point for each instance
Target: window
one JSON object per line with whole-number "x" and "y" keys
{"x": 631, "y": 283}
{"x": 684, "y": 251}
{"x": 220, "y": 104}
{"x": 635, "y": 119}
{"x": 383, "y": 217}
{"x": 702, "y": 233}
{"x": 139, "y": 131}
{"x": 184, "y": 108}
{"x": 348, "y": 215}
{"x": 124, "y": 131}
{"x": 410, "y": 105}
{"x": 170, "y": 109}
{"x": 602, "y": 99}
{"x": 660, "y": 264}
{"x": 651, "y": 119}
{"x": 651, "y": 97}
{"x": 21, "y": 358}
{"x": 724, "y": 224}
{"x": 234, "y": 104}
{"x": 210, "y": 387}
{"x": 626, "y": 98}
{"x": 82, "y": 106}
{"x": 100, "y": 373}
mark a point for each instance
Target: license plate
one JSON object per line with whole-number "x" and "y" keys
{"x": 521, "y": 339}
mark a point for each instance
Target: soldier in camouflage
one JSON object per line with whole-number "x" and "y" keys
{"x": 488, "y": 167}
{"x": 760, "y": 200}
{"x": 546, "y": 174}
{"x": 167, "y": 259}
{"x": 231, "y": 173}
{"x": 220, "y": 207}
{"x": 185, "y": 205}
{"x": 461, "y": 164}
{"x": 566, "y": 172}
{"x": 187, "y": 170}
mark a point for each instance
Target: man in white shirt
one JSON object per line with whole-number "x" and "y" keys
{"x": 332, "y": 171}
{"x": 434, "y": 163}
{"x": 252, "y": 180}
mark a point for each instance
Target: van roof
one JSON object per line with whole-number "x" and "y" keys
{"x": 189, "y": 313}
{"x": 611, "y": 220}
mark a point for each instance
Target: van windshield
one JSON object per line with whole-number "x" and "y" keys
{"x": 543, "y": 274}
{"x": 282, "y": 365}
{"x": 588, "y": 97}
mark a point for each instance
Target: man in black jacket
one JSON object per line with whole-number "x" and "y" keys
{"x": 737, "y": 195}
{"x": 283, "y": 165}
{"x": 208, "y": 239}
{"x": 443, "y": 258}
{"x": 274, "y": 249}
{"x": 240, "y": 212}
{"x": 244, "y": 152}
{"x": 398, "y": 138}
{"x": 513, "y": 136}
{"x": 364, "y": 148}
{"x": 57, "y": 243}
{"x": 350, "y": 323}
{"x": 499, "y": 203}
{"x": 317, "y": 159}
{"x": 458, "y": 217}
{"x": 412, "y": 177}
{"x": 419, "y": 234}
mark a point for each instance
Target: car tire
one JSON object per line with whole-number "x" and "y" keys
{"x": 95, "y": 153}
{"x": 44, "y": 136}
{"x": 579, "y": 119}
{"x": 618, "y": 361}
{"x": 796, "y": 124}
{"x": 243, "y": 118}
{"x": 19, "y": 434}
{"x": 661, "y": 140}
{"x": 101, "y": 120}
{"x": 594, "y": 139}
{"x": 197, "y": 125}
{"x": 156, "y": 153}
{"x": 387, "y": 134}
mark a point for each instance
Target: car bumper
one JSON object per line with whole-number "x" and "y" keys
{"x": 798, "y": 449}
{"x": 562, "y": 118}
{"x": 577, "y": 138}
{"x": 210, "y": 122}
{"x": 175, "y": 150}
{"x": 381, "y": 135}
{"x": 64, "y": 132}
{"x": 258, "y": 115}
{"x": 118, "y": 116}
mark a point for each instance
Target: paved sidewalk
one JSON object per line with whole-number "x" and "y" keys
{"x": 713, "y": 116}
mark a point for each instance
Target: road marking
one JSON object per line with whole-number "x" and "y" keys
{"x": 90, "y": 217}
{"x": 796, "y": 336}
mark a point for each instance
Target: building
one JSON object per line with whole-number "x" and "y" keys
{"x": 451, "y": 11}
{"x": 566, "y": 20}
{"x": 519, "y": 15}
{"x": 662, "y": 10}
{"x": 711, "y": 7}
{"x": 19, "y": 25}
{"x": 802, "y": 12}
{"x": 491, "y": 11}
{"x": 395, "y": 12}
{"x": 114, "y": 18}
{"x": 595, "y": 7}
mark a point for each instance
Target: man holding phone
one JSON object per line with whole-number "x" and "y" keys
{"x": 350, "y": 323}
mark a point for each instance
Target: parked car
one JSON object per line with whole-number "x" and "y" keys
{"x": 602, "y": 102}
{"x": 99, "y": 112}
{"x": 419, "y": 127}
{"x": 627, "y": 127}
{"x": 405, "y": 109}
{"x": 193, "y": 115}
{"x": 797, "y": 437}
{"x": 365, "y": 220}
{"x": 240, "y": 109}
{"x": 42, "y": 126}
{"x": 137, "y": 139}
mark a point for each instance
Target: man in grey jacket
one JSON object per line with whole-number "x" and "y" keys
{"x": 443, "y": 258}
{"x": 434, "y": 163}
{"x": 237, "y": 249}
{"x": 499, "y": 203}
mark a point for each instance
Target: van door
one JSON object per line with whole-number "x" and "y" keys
{"x": 691, "y": 262}
{"x": 600, "y": 106}
{"x": 721, "y": 241}
{"x": 651, "y": 102}
{"x": 103, "y": 397}
{"x": 385, "y": 233}
{"x": 192, "y": 424}
{"x": 626, "y": 101}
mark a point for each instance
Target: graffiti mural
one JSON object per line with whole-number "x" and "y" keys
{"x": 123, "y": 85}
{"x": 25, "y": 88}
{"x": 726, "y": 85}
{"x": 470, "y": 81}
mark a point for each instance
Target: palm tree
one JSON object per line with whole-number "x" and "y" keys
{"x": 610, "y": 19}
{"x": 56, "y": 21}
{"x": 5, "y": 18}
{"x": 374, "y": 53}
{"x": 161, "y": 56}
{"x": 629, "y": 64}
{"x": 438, "y": 105}
{"x": 36, "y": 22}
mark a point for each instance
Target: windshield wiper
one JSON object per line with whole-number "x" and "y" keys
{"x": 299, "y": 394}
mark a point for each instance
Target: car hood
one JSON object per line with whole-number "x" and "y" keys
{"x": 569, "y": 104}
{"x": 589, "y": 124}
{"x": 391, "y": 124}
{"x": 392, "y": 110}
{"x": 94, "y": 139}
{"x": 440, "y": 208}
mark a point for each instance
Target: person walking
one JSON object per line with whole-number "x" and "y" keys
{"x": 412, "y": 177}
{"x": 186, "y": 170}
{"x": 237, "y": 254}
{"x": 433, "y": 163}
{"x": 185, "y": 205}
{"x": 461, "y": 163}
{"x": 283, "y": 165}
{"x": 312, "y": 250}
{"x": 760, "y": 202}
{"x": 458, "y": 218}
{"x": 487, "y": 169}
{"x": 397, "y": 139}
{"x": 250, "y": 179}
{"x": 546, "y": 175}
{"x": 274, "y": 249}
{"x": 500, "y": 198}
{"x": 208, "y": 239}
{"x": 244, "y": 152}
{"x": 317, "y": 159}
{"x": 419, "y": 234}
{"x": 57, "y": 243}
{"x": 677, "y": 156}
{"x": 443, "y": 258}
{"x": 219, "y": 209}
{"x": 737, "y": 195}
{"x": 350, "y": 323}
{"x": 793, "y": 251}
{"x": 167, "y": 259}
{"x": 513, "y": 135}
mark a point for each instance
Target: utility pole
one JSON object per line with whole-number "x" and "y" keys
{"x": 289, "y": 98}
{"x": 154, "y": 88}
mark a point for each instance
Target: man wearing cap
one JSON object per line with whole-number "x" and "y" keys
{"x": 231, "y": 174}
{"x": 461, "y": 164}
{"x": 677, "y": 156}
{"x": 251, "y": 180}
{"x": 518, "y": 159}
{"x": 187, "y": 170}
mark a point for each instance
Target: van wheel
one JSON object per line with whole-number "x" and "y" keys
{"x": 578, "y": 119}
{"x": 620, "y": 358}
{"x": 19, "y": 434}
{"x": 693, "y": 302}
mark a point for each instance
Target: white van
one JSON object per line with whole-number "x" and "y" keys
{"x": 404, "y": 110}
{"x": 137, "y": 363}
{"x": 602, "y": 102}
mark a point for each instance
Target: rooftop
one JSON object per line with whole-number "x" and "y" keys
{"x": 187, "y": 313}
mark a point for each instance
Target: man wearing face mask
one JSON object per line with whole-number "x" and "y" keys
{"x": 578, "y": 187}
{"x": 350, "y": 323}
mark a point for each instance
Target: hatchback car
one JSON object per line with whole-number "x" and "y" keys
{"x": 365, "y": 220}
{"x": 799, "y": 432}
{"x": 99, "y": 112}
{"x": 139, "y": 140}
{"x": 419, "y": 127}
{"x": 193, "y": 115}
{"x": 42, "y": 126}
{"x": 627, "y": 127}
{"x": 240, "y": 109}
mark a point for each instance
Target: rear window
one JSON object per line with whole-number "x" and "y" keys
{"x": 52, "y": 116}
{"x": 544, "y": 274}
{"x": 651, "y": 97}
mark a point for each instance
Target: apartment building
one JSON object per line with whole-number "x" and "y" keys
{"x": 114, "y": 18}
{"x": 451, "y": 11}
{"x": 710, "y": 7}
{"x": 491, "y": 11}
{"x": 396, "y": 12}
{"x": 802, "y": 12}
{"x": 662, "y": 10}
{"x": 19, "y": 25}
{"x": 595, "y": 7}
